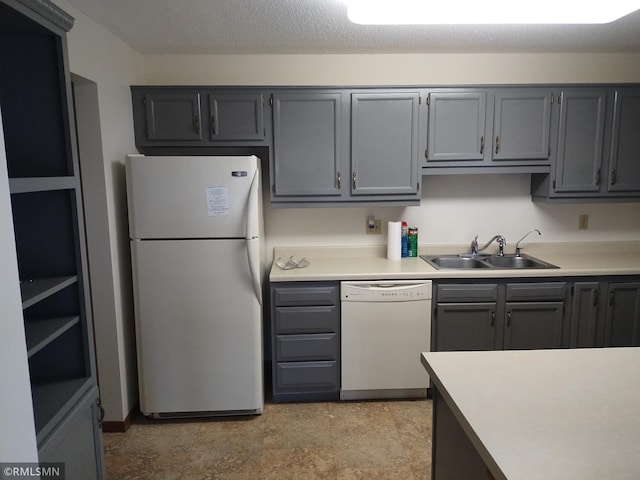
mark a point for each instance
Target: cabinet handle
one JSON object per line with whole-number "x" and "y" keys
{"x": 598, "y": 176}
{"x": 481, "y": 144}
{"x": 613, "y": 176}
{"x": 497, "y": 144}
{"x": 213, "y": 125}
{"x": 196, "y": 124}
{"x": 101, "y": 408}
{"x": 339, "y": 180}
{"x": 493, "y": 318}
{"x": 353, "y": 182}
{"x": 612, "y": 297}
{"x": 508, "y": 319}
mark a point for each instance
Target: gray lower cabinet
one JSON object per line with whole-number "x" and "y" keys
{"x": 587, "y": 315}
{"x": 74, "y": 443}
{"x": 504, "y": 315}
{"x": 622, "y": 323}
{"x": 495, "y": 129}
{"x": 305, "y": 325}
{"x": 179, "y": 116}
{"x": 597, "y": 152}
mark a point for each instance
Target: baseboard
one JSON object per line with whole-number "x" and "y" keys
{"x": 119, "y": 427}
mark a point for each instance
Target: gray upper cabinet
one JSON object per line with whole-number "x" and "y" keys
{"x": 384, "y": 143}
{"x": 335, "y": 146}
{"x": 236, "y": 116}
{"x": 598, "y": 145}
{"x": 308, "y": 146}
{"x": 497, "y": 130}
{"x": 580, "y": 141}
{"x": 173, "y": 116}
{"x": 624, "y": 167}
{"x": 197, "y": 117}
{"x": 522, "y": 124}
{"x": 456, "y": 126}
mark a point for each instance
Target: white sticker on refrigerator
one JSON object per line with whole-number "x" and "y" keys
{"x": 217, "y": 200}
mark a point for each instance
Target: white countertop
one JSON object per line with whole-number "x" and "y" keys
{"x": 370, "y": 263}
{"x": 547, "y": 414}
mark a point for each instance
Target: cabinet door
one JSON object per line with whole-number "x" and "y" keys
{"x": 236, "y": 116}
{"x": 307, "y": 136}
{"x": 384, "y": 143}
{"x": 173, "y": 116}
{"x": 533, "y": 325}
{"x": 579, "y": 160}
{"x": 464, "y": 326}
{"x": 622, "y": 328}
{"x": 522, "y": 123}
{"x": 456, "y": 126}
{"x": 584, "y": 316}
{"x": 624, "y": 173}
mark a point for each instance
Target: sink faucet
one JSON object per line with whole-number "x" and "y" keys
{"x": 525, "y": 236}
{"x": 498, "y": 238}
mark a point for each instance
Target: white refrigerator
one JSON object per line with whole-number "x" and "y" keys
{"x": 196, "y": 248}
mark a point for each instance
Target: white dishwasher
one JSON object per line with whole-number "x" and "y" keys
{"x": 385, "y": 327}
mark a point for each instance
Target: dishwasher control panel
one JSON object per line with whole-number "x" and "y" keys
{"x": 385, "y": 291}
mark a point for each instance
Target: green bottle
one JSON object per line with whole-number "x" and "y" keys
{"x": 413, "y": 241}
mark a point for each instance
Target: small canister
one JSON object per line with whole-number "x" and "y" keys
{"x": 413, "y": 242}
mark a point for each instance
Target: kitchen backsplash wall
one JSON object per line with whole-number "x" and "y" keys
{"x": 453, "y": 209}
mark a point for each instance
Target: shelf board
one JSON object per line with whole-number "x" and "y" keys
{"x": 38, "y": 289}
{"x": 53, "y": 400}
{"x": 41, "y": 184}
{"x": 42, "y": 331}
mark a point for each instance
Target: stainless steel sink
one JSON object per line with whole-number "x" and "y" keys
{"x": 511, "y": 261}
{"x": 485, "y": 261}
{"x": 455, "y": 261}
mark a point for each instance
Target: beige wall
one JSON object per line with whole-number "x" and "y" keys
{"x": 408, "y": 69}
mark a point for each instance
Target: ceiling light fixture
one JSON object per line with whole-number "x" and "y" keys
{"x": 461, "y": 12}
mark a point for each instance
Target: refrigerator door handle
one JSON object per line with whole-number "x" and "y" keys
{"x": 253, "y": 257}
{"x": 252, "y": 227}
{"x": 252, "y": 235}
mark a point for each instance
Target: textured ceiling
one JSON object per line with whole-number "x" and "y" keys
{"x": 321, "y": 26}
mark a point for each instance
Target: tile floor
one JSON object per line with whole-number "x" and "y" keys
{"x": 307, "y": 441}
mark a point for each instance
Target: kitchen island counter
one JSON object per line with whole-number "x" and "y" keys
{"x": 536, "y": 414}
{"x": 370, "y": 262}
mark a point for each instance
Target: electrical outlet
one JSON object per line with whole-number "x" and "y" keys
{"x": 375, "y": 230}
{"x": 583, "y": 222}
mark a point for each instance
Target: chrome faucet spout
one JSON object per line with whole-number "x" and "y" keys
{"x": 498, "y": 238}
{"x": 525, "y": 236}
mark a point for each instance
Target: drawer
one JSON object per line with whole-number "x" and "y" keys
{"x": 307, "y": 376}
{"x": 322, "y": 346}
{"x": 306, "y": 294}
{"x": 320, "y": 319}
{"x": 467, "y": 292}
{"x": 535, "y": 292}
